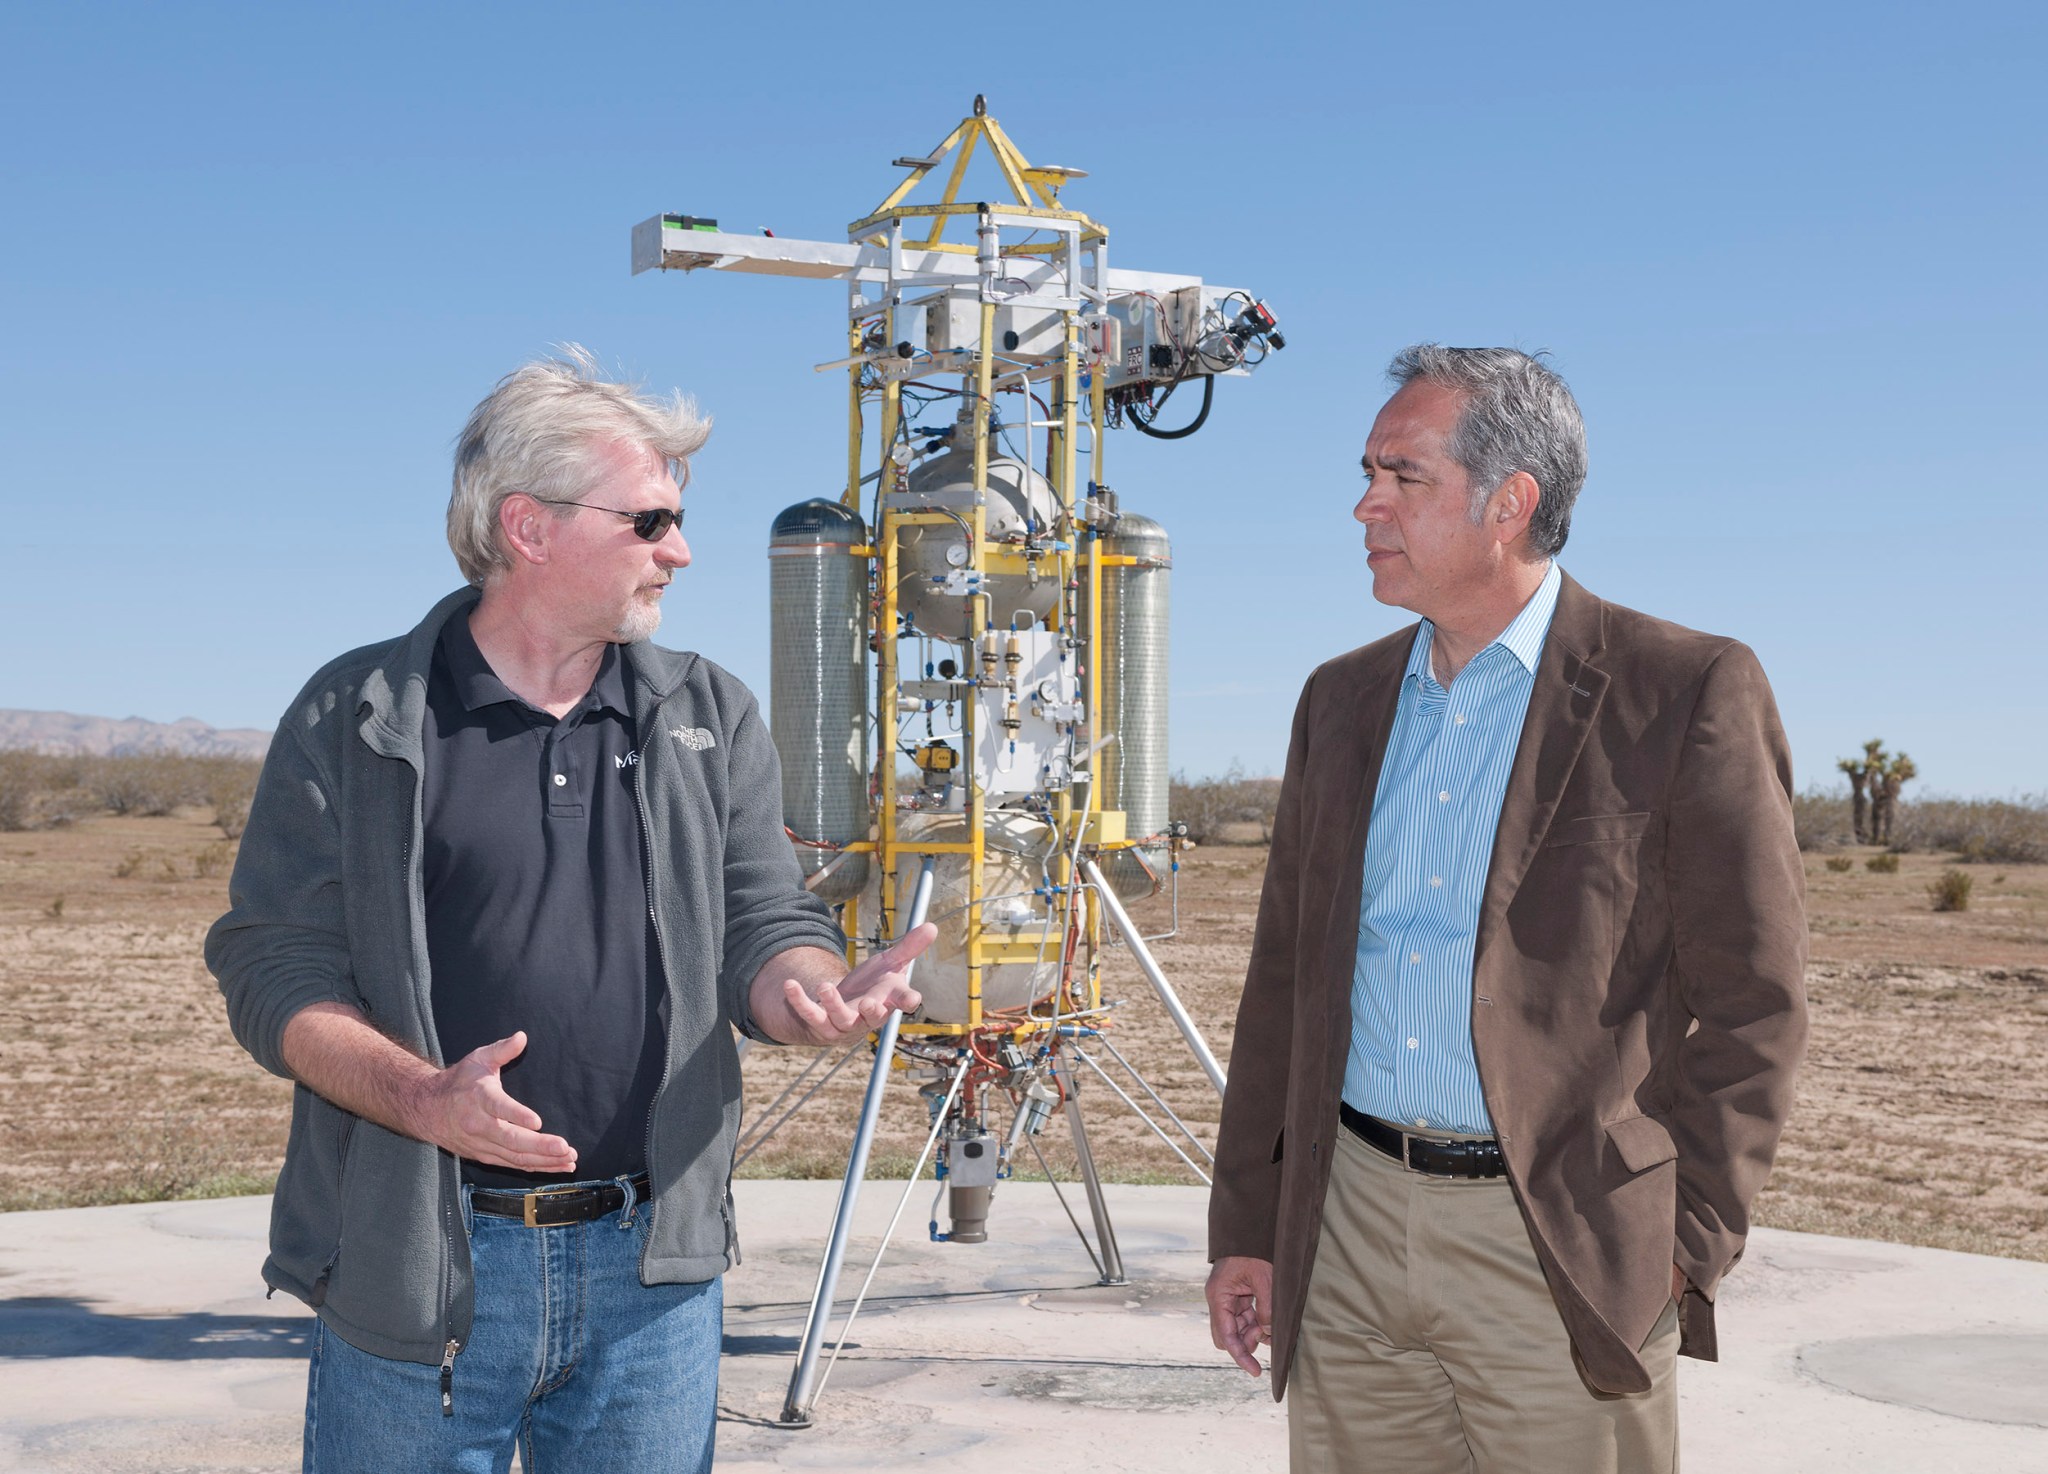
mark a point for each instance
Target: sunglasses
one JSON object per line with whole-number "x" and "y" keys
{"x": 651, "y": 525}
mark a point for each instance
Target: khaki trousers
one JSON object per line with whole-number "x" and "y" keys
{"x": 1430, "y": 1344}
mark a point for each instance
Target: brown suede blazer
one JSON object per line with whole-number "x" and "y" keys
{"x": 1638, "y": 1006}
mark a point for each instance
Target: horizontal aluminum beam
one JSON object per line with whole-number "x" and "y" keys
{"x": 661, "y": 247}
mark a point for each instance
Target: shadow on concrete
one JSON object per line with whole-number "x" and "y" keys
{"x": 745, "y": 1345}
{"x": 55, "y": 1327}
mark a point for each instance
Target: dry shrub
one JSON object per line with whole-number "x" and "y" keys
{"x": 1840, "y": 863}
{"x": 17, "y": 790}
{"x": 1205, "y": 805}
{"x": 215, "y": 858}
{"x": 1885, "y": 864}
{"x": 44, "y": 791}
{"x": 129, "y": 865}
{"x": 1950, "y": 891}
{"x": 146, "y": 786}
{"x": 66, "y": 806}
{"x": 231, "y": 789}
{"x": 1821, "y": 820}
{"x": 1978, "y": 830}
{"x": 38, "y": 791}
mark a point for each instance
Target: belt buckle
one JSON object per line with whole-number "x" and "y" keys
{"x": 532, "y": 1202}
{"x": 1406, "y": 1142}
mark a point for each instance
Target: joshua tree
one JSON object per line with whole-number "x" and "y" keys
{"x": 1863, "y": 774}
{"x": 1884, "y": 795}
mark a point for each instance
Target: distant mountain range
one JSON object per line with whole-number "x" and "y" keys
{"x": 61, "y": 732}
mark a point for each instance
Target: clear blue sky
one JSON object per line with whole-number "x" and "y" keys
{"x": 259, "y": 261}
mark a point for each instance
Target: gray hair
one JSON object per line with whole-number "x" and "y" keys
{"x": 537, "y": 432}
{"x": 1518, "y": 416}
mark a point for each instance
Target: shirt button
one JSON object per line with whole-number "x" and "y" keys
{"x": 1414, "y": 956}
{"x": 1421, "y": 1121}
{"x": 1412, "y": 1044}
{"x": 1436, "y": 880}
{"x": 1459, "y": 719}
{"x": 560, "y": 781}
{"x": 1444, "y": 797}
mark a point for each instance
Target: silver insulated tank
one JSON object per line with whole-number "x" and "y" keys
{"x": 1133, "y": 769}
{"x": 818, "y": 687}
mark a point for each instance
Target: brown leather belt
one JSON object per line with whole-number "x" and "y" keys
{"x": 552, "y": 1207}
{"x": 1424, "y": 1153}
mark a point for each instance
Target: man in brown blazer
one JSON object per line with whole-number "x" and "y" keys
{"x": 1525, "y": 1002}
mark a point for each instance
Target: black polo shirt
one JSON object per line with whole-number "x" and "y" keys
{"x": 536, "y": 889}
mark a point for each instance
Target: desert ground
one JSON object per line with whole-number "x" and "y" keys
{"x": 1922, "y": 1114}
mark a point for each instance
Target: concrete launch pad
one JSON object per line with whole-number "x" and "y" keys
{"x": 138, "y": 1338}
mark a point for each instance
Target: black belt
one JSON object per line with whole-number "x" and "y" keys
{"x": 551, "y": 1207}
{"x": 1424, "y": 1153}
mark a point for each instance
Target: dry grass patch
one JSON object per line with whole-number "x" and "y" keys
{"x": 1922, "y": 1113}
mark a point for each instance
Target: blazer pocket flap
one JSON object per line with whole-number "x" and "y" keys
{"x": 1643, "y": 1142}
{"x": 1595, "y": 828}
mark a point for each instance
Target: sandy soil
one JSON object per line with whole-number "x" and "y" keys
{"x": 1923, "y": 1113}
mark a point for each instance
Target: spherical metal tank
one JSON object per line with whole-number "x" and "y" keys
{"x": 818, "y": 687}
{"x": 1020, "y": 501}
{"x": 1016, "y": 853}
{"x": 1133, "y": 769}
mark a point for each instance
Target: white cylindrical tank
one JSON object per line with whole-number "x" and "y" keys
{"x": 1133, "y": 769}
{"x": 818, "y": 687}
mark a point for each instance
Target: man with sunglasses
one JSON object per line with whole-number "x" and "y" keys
{"x": 510, "y": 883}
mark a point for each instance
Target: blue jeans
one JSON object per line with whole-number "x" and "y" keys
{"x": 570, "y": 1357}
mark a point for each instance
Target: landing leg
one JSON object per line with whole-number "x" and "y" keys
{"x": 1105, "y": 1233}
{"x": 1149, "y": 966}
{"x": 796, "y": 1408}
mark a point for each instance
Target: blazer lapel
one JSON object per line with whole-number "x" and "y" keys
{"x": 1565, "y": 699}
{"x": 1375, "y": 700}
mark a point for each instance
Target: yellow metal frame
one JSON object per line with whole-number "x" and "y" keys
{"x": 1035, "y": 195}
{"x": 1033, "y": 192}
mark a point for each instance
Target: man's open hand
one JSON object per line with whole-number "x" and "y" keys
{"x": 1240, "y": 1294}
{"x": 464, "y": 1109}
{"x": 801, "y": 996}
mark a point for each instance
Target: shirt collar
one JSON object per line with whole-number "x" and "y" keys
{"x": 478, "y": 685}
{"x": 1523, "y": 638}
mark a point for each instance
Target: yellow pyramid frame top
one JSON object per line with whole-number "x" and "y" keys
{"x": 1035, "y": 191}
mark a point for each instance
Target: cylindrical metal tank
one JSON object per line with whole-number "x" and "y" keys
{"x": 1020, "y": 501}
{"x": 818, "y": 687}
{"x": 1133, "y": 769}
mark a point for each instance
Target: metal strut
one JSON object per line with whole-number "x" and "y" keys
{"x": 1150, "y": 967}
{"x": 1111, "y": 1259}
{"x": 796, "y": 1408}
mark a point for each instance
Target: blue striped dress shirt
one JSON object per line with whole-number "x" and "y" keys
{"x": 1426, "y": 856}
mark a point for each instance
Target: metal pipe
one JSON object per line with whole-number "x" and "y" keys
{"x": 1139, "y": 1111}
{"x": 1157, "y": 1099}
{"x": 909, "y": 1187}
{"x": 796, "y": 1408}
{"x": 1111, "y": 1260}
{"x": 1121, "y": 919}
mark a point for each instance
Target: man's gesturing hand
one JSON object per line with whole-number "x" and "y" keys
{"x": 805, "y": 996}
{"x": 333, "y": 1049}
{"x": 464, "y": 1109}
{"x": 1240, "y": 1292}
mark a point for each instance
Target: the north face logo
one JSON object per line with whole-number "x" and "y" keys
{"x": 697, "y": 739}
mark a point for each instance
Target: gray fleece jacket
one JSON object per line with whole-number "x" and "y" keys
{"x": 327, "y": 905}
